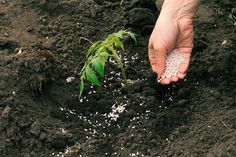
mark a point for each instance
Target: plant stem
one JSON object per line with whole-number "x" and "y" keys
{"x": 124, "y": 76}
{"x": 121, "y": 65}
{"x": 85, "y": 40}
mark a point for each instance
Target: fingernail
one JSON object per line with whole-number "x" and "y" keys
{"x": 154, "y": 76}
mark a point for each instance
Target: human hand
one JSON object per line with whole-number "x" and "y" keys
{"x": 173, "y": 30}
{"x": 166, "y": 36}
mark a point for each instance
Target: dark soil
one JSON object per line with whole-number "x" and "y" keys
{"x": 41, "y": 114}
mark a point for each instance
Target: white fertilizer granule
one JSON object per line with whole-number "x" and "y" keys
{"x": 173, "y": 61}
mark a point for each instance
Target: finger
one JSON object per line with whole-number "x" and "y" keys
{"x": 181, "y": 75}
{"x": 183, "y": 67}
{"x": 157, "y": 57}
{"x": 174, "y": 79}
{"x": 165, "y": 81}
{"x": 187, "y": 54}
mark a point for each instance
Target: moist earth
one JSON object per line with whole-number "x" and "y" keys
{"x": 42, "y": 46}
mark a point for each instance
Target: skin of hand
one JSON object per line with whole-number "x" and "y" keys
{"x": 173, "y": 30}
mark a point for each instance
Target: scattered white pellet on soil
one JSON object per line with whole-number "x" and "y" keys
{"x": 224, "y": 42}
{"x": 20, "y": 51}
{"x": 116, "y": 111}
{"x": 70, "y": 79}
{"x": 173, "y": 61}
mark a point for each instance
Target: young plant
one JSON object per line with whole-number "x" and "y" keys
{"x": 98, "y": 54}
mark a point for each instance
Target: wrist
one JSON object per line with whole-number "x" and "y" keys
{"x": 179, "y": 9}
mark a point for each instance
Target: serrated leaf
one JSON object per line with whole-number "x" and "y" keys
{"x": 119, "y": 34}
{"x": 91, "y": 76}
{"x": 98, "y": 66}
{"x": 93, "y": 48}
{"x": 103, "y": 60}
{"x": 118, "y": 43}
{"x": 132, "y": 35}
{"x": 103, "y": 57}
{"x": 101, "y": 49}
{"x": 104, "y": 54}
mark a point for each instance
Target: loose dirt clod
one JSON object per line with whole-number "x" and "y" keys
{"x": 173, "y": 61}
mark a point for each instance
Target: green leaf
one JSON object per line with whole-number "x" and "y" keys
{"x": 118, "y": 43}
{"x": 113, "y": 51}
{"x": 93, "y": 48}
{"x": 101, "y": 49}
{"x": 91, "y": 76}
{"x": 103, "y": 57}
{"x": 132, "y": 35}
{"x": 98, "y": 66}
{"x": 119, "y": 34}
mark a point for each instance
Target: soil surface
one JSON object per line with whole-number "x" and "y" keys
{"x": 42, "y": 48}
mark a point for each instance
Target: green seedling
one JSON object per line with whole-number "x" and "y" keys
{"x": 99, "y": 53}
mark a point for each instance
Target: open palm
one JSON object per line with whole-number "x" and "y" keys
{"x": 168, "y": 35}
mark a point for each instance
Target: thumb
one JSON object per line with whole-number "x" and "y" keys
{"x": 157, "y": 57}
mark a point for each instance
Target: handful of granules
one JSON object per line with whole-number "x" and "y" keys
{"x": 173, "y": 61}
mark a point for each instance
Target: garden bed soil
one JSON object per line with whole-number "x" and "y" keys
{"x": 41, "y": 55}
